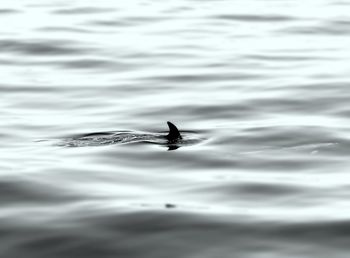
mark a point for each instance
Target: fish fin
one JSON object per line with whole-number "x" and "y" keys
{"x": 174, "y": 133}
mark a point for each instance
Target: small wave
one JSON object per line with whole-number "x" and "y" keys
{"x": 83, "y": 10}
{"x": 40, "y": 47}
{"x": 8, "y": 11}
{"x": 254, "y": 18}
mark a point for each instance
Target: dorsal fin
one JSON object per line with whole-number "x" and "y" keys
{"x": 174, "y": 133}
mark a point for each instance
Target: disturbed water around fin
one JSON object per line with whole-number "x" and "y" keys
{"x": 259, "y": 89}
{"x": 130, "y": 137}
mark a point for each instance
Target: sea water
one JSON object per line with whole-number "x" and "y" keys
{"x": 265, "y": 84}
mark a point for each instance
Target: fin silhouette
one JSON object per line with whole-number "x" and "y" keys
{"x": 174, "y": 133}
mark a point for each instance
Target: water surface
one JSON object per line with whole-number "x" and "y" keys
{"x": 265, "y": 84}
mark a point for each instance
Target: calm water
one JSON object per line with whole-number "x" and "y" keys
{"x": 263, "y": 84}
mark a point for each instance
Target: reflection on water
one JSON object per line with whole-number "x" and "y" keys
{"x": 259, "y": 90}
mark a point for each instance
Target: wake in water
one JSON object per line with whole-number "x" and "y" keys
{"x": 173, "y": 140}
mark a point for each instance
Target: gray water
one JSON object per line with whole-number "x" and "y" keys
{"x": 263, "y": 84}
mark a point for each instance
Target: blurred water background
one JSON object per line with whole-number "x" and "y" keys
{"x": 265, "y": 83}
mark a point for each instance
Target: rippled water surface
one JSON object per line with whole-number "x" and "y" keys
{"x": 261, "y": 88}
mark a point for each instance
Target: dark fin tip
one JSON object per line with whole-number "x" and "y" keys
{"x": 173, "y": 132}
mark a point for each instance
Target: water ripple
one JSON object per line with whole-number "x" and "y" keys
{"x": 128, "y": 21}
{"x": 338, "y": 27}
{"x": 254, "y": 18}
{"x": 8, "y": 11}
{"x": 83, "y": 10}
{"x": 40, "y": 47}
